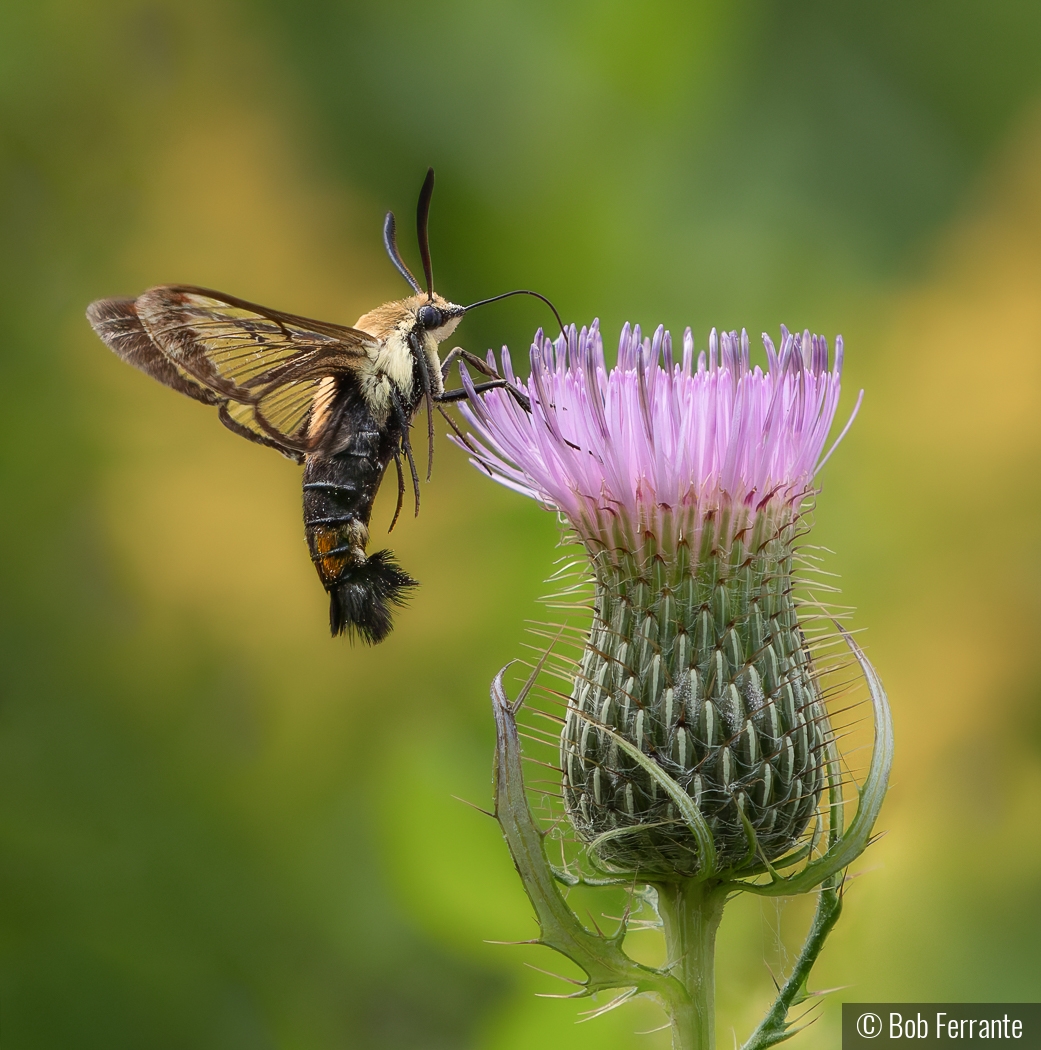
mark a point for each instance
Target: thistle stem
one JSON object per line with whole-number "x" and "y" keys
{"x": 690, "y": 912}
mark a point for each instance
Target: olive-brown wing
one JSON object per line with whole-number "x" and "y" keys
{"x": 266, "y": 370}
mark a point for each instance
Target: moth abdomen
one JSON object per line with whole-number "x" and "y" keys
{"x": 362, "y": 599}
{"x": 339, "y": 491}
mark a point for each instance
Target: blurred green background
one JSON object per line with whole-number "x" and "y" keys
{"x": 221, "y": 829}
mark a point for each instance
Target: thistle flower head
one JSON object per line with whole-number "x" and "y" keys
{"x": 645, "y": 451}
{"x": 685, "y": 480}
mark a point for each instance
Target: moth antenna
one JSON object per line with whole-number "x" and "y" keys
{"x": 521, "y": 291}
{"x": 422, "y": 230}
{"x": 391, "y": 244}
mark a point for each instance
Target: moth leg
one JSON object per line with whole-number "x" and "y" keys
{"x": 428, "y": 398}
{"x": 461, "y": 395}
{"x": 406, "y": 445}
{"x": 401, "y": 491}
{"x": 412, "y": 467}
{"x": 458, "y": 353}
{"x": 471, "y": 359}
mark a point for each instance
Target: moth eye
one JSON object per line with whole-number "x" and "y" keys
{"x": 429, "y": 317}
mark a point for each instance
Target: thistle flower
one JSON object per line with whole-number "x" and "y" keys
{"x": 687, "y": 482}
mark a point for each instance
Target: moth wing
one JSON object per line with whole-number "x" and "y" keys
{"x": 233, "y": 346}
{"x": 266, "y": 370}
{"x": 117, "y": 323}
{"x": 293, "y": 415}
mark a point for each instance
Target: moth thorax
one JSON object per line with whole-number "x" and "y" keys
{"x": 701, "y": 664}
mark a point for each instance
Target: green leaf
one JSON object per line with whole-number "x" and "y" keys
{"x": 602, "y": 959}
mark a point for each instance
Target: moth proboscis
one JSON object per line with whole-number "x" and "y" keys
{"x": 339, "y": 400}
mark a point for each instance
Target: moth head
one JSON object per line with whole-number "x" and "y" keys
{"x": 433, "y": 314}
{"x": 437, "y": 316}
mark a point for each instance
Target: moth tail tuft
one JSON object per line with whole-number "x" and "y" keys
{"x": 361, "y": 601}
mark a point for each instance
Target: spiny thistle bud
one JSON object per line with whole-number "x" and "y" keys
{"x": 687, "y": 483}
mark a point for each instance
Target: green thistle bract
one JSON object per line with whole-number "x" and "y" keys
{"x": 699, "y": 662}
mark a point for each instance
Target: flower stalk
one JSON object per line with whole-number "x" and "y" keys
{"x": 691, "y": 913}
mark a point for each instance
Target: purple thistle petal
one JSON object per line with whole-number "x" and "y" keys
{"x": 619, "y": 449}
